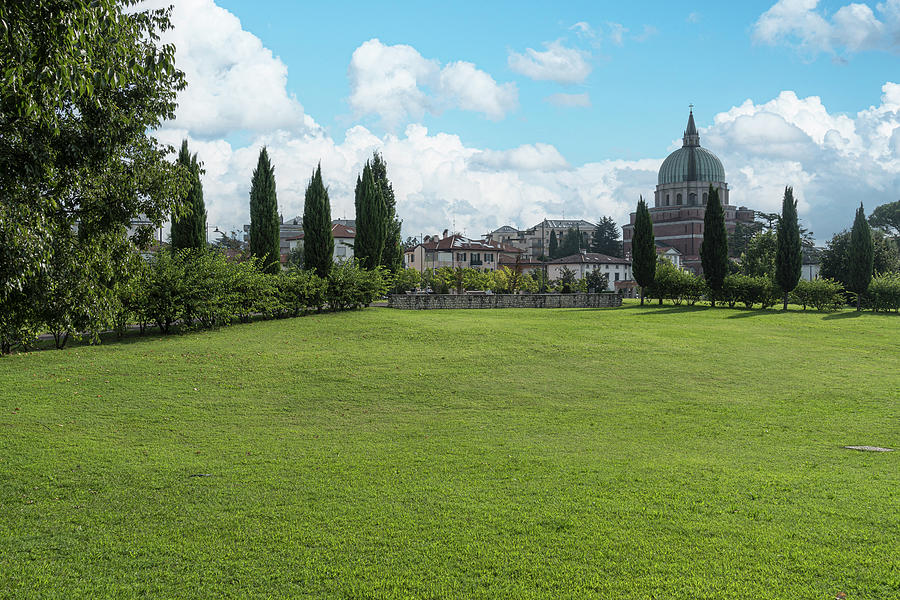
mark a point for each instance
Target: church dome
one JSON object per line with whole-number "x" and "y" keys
{"x": 691, "y": 162}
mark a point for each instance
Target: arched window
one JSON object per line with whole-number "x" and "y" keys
{"x": 705, "y": 198}
{"x": 678, "y": 199}
{"x": 667, "y": 199}
{"x": 692, "y": 199}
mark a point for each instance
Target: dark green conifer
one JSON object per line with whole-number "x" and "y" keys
{"x": 643, "y": 248}
{"x": 554, "y": 245}
{"x": 371, "y": 222}
{"x": 714, "y": 249}
{"x": 392, "y": 254}
{"x": 318, "y": 241}
{"x": 861, "y": 256}
{"x": 264, "y": 225}
{"x": 788, "y": 259}
{"x": 189, "y": 221}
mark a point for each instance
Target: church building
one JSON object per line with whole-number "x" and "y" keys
{"x": 680, "y": 199}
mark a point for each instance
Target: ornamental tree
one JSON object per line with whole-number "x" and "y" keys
{"x": 788, "y": 257}
{"x": 643, "y": 248}
{"x": 714, "y": 249}
{"x": 264, "y": 226}
{"x": 318, "y": 241}
{"x": 861, "y": 256}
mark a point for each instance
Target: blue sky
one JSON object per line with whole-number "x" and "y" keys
{"x": 491, "y": 113}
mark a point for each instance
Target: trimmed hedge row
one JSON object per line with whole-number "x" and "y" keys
{"x": 884, "y": 293}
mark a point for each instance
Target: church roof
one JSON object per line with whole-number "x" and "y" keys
{"x": 691, "y": 162}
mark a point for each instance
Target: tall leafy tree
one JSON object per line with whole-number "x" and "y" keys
{"x": 189, "y": 221}
{"x": 643, "y": 248}
{"x": 758, "y": 258}
{"x": 554, "y": 245}
{"x": 84, "y": 82}
{"x": 788, "y": 258}
{"x": 392, "y": 254}
{"x": 371, "y": 220}
{"x": 605, "y": 238}
{"x": 861, "y": 256}
{"x": 887, "y": 218}
{"x": 264, "y": 226}
{"x": 836, "y": 256}
{"x": 714, "y": 249}
{"x": 318, "y": 242}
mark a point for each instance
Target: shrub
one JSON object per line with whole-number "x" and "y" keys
{"x": 350, "y": 286}
{"x": 405, "y": 280}
{"x": 821, "y": 294}
{"x": 884, "y": 292}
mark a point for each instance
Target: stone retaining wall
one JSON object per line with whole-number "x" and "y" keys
{"x": 428, "y": 301}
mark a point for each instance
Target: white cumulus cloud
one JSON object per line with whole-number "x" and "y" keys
{"x": 398, "y": 84}
{"x": 557, "y": 63}
{"x": 853, "y": 27}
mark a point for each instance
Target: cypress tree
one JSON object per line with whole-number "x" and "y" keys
{"x": 189, "y": 224}
{"x": 643, "y": 248}
{"x": 788, "y": 262}
{"x": 264, "y": 243}
{"x": 714, "y": 249}
{"x": 392, "y": 255}
{"x": 318, "y": 242}
{"x": 554, "y": 245}
{"x": 861, "y": 256}
{"x": 371, "y": 222}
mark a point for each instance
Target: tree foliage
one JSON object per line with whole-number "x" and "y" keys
{"x": 189, "y": 224}
{"x": 371, "y": 220}
{"x": 392, "y": 254}
{"x": 554, "y": 245}
{"x": 318, "y": 241}
{"x": 887, "y": 218}
{"x": 643, "y": 248}
{"x": 264, "y": 226}
{"x": 836, "y": 257}
{"x": 571, "y": 243}
{"x": 714, "y": 249}
{"x": 788, "y": 253}
{"x": 860, "y": 256}
{"x": 83, "y": 83}
{"x": 605, "y": 238}
{"x": 758, "y": 259}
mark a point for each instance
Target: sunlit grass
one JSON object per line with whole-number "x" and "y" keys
{"x": 655, "y": 452}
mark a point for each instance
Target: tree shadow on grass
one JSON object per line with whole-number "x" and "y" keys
{"x": 855, "y": 314}
{"x": 754, "y": 312}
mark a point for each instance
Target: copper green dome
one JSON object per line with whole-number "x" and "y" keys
{"x": 691, "y": 162}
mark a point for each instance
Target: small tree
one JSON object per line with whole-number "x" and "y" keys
{"x": 788, "y": 255}
{"x": 264, "y": 242}
{"x": 643, "y": 248}
{"x": 318, "y": 241}
{"x": 714, "y": 249}
{"x": 605, "y": 238}
{"x": 861, "y": 256}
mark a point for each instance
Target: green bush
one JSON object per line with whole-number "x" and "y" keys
{"x": 350, "y": 286}
{"x": 671, "y": 283}
{"x": 821, "y": 294}
{"x": 884, "y": 292}
{"x": 748, "y": 290}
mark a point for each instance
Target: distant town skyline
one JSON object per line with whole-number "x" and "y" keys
{"x": 490, "y": 115}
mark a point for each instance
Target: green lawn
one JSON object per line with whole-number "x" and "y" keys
{"x": 658, "y": 452}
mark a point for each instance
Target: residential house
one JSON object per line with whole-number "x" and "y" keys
{"x": 534, "y": 242}
{"x": 458, "y": 251}
{"x": 616, "y": 269}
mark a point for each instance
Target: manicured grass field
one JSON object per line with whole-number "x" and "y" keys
{"x": 655, "y": 452}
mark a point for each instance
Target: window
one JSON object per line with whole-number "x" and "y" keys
{"x": 667, "y": 200}
{"x": 488, "y": 257}
{"x": 461, "y": 257}
{"x": 412, "y": 258}
{"x": 678, "y": 199}
{"x": 475, "y": 259}
{"x": 617, "y": 275}
{"x": 692, "y": 199}
{"x": 704, "y": 198}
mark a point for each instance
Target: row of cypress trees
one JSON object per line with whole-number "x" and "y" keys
{"x": 377, "y": 226}
{"x": 714, "y": 248}
{"x": 377, "y": 240}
